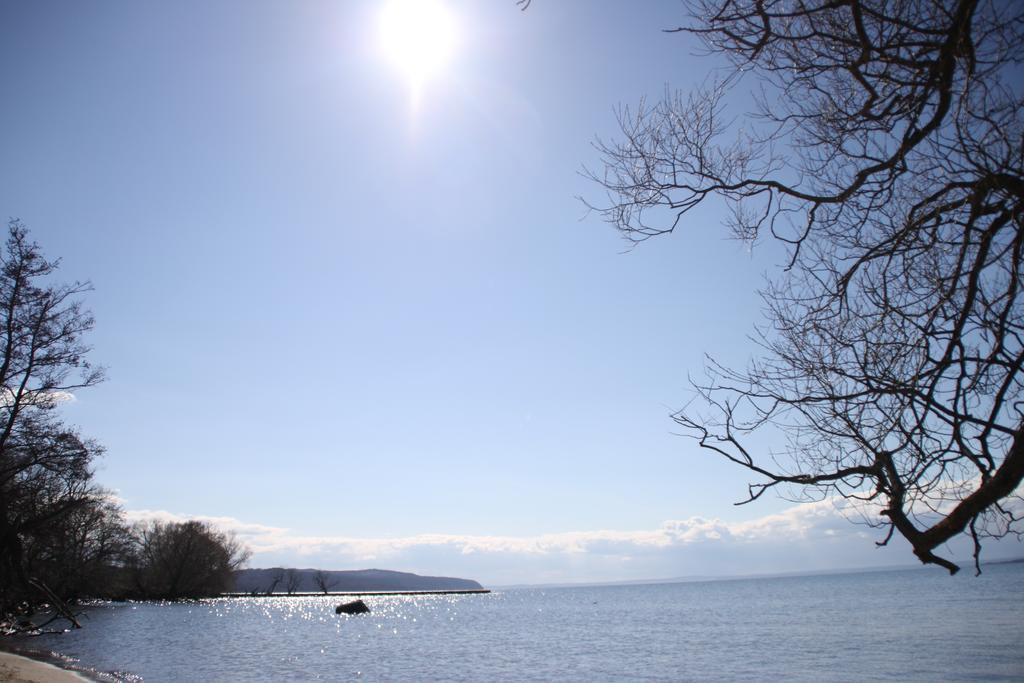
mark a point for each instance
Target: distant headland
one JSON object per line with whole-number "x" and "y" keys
{"x": 282, "y": 581}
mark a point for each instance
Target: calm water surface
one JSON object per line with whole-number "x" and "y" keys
{"x": 903, "y": 625}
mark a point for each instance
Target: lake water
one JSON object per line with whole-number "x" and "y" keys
{"x": 917, "y": 624}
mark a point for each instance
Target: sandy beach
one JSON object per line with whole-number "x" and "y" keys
{"x": 17, "y": 669}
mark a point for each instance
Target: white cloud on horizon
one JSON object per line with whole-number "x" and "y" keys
{"x": 798, "y": 522}
{"x": 820, "y": 535}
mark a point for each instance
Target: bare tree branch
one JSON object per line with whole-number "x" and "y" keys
{"x": 886, "y": 151}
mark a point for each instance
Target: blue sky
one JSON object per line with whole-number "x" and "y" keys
{"x": 330, "y": 315}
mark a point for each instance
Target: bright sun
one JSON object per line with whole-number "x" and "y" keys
{"x": 419, "y": 36}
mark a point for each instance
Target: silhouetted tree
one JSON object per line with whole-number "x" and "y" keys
{"x": 176, "y": 560}
{"x": 324, "y": 581}
{"x": 45, "y": 475}
{"x": 84, "y": 553}
{"x": 884, "y": 148}
{"x": 275, "y": 580}
{"x": 292, "y": 579}
{"x": 61, "y": 537}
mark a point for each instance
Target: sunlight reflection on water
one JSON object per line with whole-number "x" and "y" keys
{"x": 914, "y": 625}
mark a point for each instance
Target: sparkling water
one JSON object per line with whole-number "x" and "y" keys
{"x": 918, "y": 624}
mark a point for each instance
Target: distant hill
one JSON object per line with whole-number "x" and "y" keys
{"x": 260, "y": 580}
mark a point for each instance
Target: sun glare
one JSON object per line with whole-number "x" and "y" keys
{"x": 419, "y": 36}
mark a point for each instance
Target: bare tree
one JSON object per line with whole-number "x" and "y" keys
{"x": 324, "y": 581}
{"x": 292, "y": 579}
{"x": 82, "y": 556}
{"x": 884, "y": 148}
{"x": 275, "y": 580}
{"x": 175, "y": 560}
{"x": 45, "y": 475}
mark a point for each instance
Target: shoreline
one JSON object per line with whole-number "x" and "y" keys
{"x": 22, "y": 668}
{"x": 344, "y": 594}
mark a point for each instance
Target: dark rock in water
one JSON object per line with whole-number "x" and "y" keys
{"x": 354, "y": 607}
